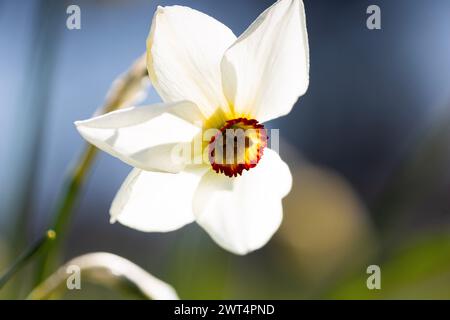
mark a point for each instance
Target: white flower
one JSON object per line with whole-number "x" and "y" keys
{"x": 208, "y": 78}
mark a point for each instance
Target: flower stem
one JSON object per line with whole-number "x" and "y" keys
{"x": 64, "y": 209}
{"x": 123, "y": 93}
{"x": 49, "y": 236}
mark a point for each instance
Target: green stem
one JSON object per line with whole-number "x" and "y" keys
{"x": 49, "y": 236}
{"x": 64, "y": 209}
{"x": 123, "y": 91}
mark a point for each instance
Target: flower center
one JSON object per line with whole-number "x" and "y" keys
{"x": 238, "y": 145}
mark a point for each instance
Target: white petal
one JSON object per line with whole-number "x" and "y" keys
{"x": 184, "y": 50}
{"x": 241, "y": 214}
{"x": 155, "y": 201}
{"x": 145, "y": 137}
{"x": 107, "y": 269}
{"x": 267, "y": 69}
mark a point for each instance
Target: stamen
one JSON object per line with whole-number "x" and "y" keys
{"x": 237, "y": 146}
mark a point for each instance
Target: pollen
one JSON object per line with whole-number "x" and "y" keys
{"x": 237, "y": 146}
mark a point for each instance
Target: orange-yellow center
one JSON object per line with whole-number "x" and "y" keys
{"x": 238, "y": 145}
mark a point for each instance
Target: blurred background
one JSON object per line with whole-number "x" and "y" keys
{"x": 368, "y": 146}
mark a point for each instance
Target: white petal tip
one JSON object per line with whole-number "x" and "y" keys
{"x": 244, "y": 251}
{"x": 241, "y": 253}
{"x": 80, "y": 123}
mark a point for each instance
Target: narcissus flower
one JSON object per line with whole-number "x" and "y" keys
{"x": 209, "y": 80}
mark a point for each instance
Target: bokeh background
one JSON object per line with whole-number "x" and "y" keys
{"x": 368, "y": 145}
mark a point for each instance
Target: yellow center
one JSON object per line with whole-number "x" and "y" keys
{"x": 238, "y": 145}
